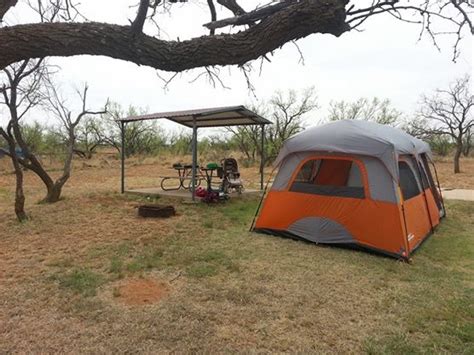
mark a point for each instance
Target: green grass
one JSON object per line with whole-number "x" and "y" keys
{"x": 116, "y": 265}
{"x": 208, "y": 224}
{"x": 148, "y": 260}
{"x": 80, "y": 281}
{"x": 437, "y": 305}
{"x": 201, "y": 269}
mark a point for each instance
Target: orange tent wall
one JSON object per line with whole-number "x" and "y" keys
{"x": 374, "y": 224}
{"x": 418, "y": 221}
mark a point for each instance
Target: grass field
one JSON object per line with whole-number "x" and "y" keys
{"x": 87, "y": 275}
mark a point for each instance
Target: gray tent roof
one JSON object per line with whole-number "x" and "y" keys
{"x": 356, "y": 137}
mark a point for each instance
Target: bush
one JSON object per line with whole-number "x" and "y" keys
{"x": 440, "y": 145}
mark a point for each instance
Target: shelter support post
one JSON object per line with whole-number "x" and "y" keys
{"x": 122, "y": 157}
{"x": 194, "y": 167}
{"x": 262, "y": 155}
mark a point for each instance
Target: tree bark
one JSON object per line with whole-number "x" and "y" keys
{"x": 457, "y": 156}
{"x": 68, "y": 39}
{"x": 19, "y": 194}
{"x": 5, "y": 5}
{"x": 54, "y": 193}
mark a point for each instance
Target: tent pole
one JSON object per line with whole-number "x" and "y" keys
{"x": 262, "y": 155}
{"x": 439, "y": 186}
{"x": 424, "y": 192}
{"x": 122, "y": 156}
{"x": 194, "y": 145}
{"x": 406, "y": 229}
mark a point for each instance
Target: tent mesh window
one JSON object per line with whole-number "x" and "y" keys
{"x": 329, "y": 177}
{"x": 424, "y": 178}
{"x": 434, "y": 190}
{"x": 408, "y": 183}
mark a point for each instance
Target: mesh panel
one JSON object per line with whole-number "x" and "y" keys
{"x": 408, "y": 183}
{"x": 330, "y": 177}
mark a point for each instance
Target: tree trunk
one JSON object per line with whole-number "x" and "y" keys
{"x": 457, "y": 156}
{"x": 54, "y": 193}
{"x": 19, "y": 194}
{"x": 54, "y": 190}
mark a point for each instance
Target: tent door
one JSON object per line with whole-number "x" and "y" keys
{"x": 416, "y": 214}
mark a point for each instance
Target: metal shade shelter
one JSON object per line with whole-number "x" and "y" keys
{"x": 200, "y": 118}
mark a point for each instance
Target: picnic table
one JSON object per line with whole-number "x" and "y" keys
{"x": 184, "y": 178}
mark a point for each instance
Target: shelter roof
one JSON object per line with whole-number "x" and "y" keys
{"x": 206, "y": 117}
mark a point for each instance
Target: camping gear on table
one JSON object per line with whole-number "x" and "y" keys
{"x": 354, "y": 182}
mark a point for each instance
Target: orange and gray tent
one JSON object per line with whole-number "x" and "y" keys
{"x": 356, "y": 183}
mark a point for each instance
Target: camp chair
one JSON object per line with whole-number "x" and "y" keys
{"x": 231, "y": 176}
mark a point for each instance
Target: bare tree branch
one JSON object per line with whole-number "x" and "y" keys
{"x": 212, "y": 8}
{"x": 137, "y": 25}
{"x": 451, "y": 12}
{"x": 233, "y": 6}
{"x": 6, "y": 5}
{"x": 250, "y": 17}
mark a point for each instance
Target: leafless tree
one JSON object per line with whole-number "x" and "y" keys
{"x": 448, "y": 112}
{"x": 374, "y": 110}
{"x": 69, "y": 123}
{"x": 29, "y": 85}
{"x": 20, "y": 93}
{"x": 234, "y": 40}
{"x": 287, "y": 112}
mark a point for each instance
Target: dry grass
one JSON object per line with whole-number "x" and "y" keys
{"x": 228, "y": 290}
{"x": 464, "y": 180}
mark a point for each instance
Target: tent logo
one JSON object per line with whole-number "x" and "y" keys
{"x": 410, "y": 237}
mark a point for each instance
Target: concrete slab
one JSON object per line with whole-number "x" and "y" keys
{"x": 184, "y": 194}
{"x": 459, "y": 194}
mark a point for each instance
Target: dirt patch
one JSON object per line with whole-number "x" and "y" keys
{"x": 140, "y": 292}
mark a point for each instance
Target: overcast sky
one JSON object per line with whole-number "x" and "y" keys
{"x": 386, "y": 60}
